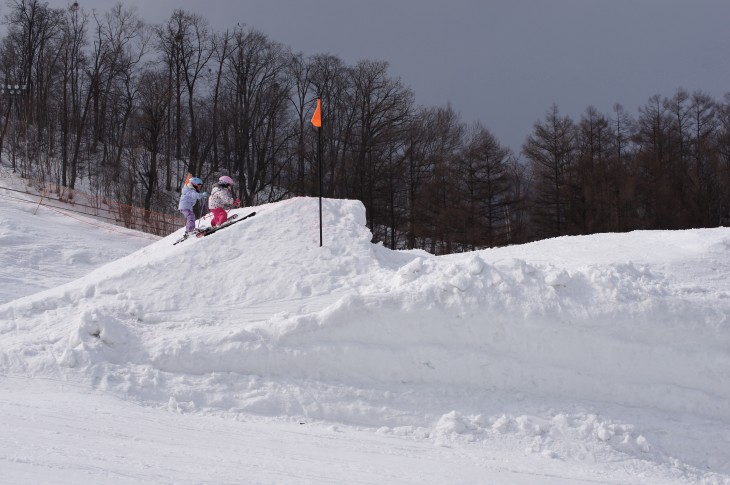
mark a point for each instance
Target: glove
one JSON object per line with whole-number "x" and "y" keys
{"x": 203, "y": 194}
{"x": 237, "y": 203}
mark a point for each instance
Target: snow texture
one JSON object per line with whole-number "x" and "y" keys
{"x": 125, "y": 359}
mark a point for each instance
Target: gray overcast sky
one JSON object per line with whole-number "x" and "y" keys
{"x": 502, "y": 62}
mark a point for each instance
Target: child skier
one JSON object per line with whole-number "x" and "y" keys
{"x": 190, "y": 194}
{"x": 221, "y": 199}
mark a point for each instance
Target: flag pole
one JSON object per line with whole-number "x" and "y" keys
{"x": 319, "y": 164}
{"x": 317, "y": 122}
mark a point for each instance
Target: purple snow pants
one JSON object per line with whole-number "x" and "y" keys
{"x": 189, "y": 219}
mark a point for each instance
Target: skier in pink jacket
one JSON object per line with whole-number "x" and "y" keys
{"x": 221, "y": 199}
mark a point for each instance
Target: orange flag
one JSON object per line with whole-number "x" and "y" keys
{"x": 317, "y": 117}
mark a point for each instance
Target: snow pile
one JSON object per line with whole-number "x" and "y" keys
{"x": 575, "y": 348}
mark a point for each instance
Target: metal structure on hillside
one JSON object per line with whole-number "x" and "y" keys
{"x": 13, "y": 92}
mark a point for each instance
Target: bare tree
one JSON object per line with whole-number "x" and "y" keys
{"x": 656, "y": 199}
{"x": 624, "y": 189}
{"x": 73, "y": 64}
{"x": 550, "y": 150}
{"x": 150, "y": 123}
{"x": 722, "y": 140}
{"x": 434, "y": 141}
{"x": 188, "y": 47}
{"x": 593, "y": 181}
{"x": 32, "y": 25}
{"x": 257, "y": 90}
{"x": 517, "y": 212}
{"x": 223, "y": 48}
{"x": 704, "y": 165}
{"x": 30, "y": 52}
{"x": 383, "y": 107}
{"x": 484, "y": 182}
{"x": 127, "y": 41}
{"x": 331, "y": 78}
{"x": 300, "y": 72}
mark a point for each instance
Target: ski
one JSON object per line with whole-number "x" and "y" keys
{"x": 198, "y": 231}
{"x": 181, "y": 239}
{"x": 232, "y": 220}
{"x": 185, "y": 236}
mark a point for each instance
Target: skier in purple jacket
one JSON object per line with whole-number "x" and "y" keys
{"x": 190, "y": 195}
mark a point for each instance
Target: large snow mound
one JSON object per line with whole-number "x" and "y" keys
{"x": 258, "y": 318}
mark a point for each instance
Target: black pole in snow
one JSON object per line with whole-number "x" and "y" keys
{"x": 319, "y": 163}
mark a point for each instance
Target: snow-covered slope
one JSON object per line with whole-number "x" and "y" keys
{"x": 591, "y": 350}
{"x": 43, "y": 248}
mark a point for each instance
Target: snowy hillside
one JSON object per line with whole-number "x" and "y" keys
{"x": 43, "y": 247}
{"x": 602, "y": 358}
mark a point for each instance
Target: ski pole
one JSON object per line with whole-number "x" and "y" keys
{"x": 41, "y": 201}
{"x": 203, "y": 211}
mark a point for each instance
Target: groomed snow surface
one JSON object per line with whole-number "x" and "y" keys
{"x": 256, "y": 356}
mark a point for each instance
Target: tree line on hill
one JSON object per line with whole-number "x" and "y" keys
{"x": 126, "y": 109}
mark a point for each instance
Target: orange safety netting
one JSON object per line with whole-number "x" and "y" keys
{"x": 58, "y": 197}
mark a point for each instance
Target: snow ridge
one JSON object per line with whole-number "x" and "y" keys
{"x": 553, "y": 348}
